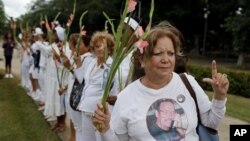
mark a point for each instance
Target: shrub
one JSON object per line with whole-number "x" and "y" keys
{"x": 239, "y": 81}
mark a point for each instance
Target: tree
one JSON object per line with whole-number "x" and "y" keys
{"x": 238, "y": 24}
{"x": 3, "y": 18}
{"x": 94, "y": 20}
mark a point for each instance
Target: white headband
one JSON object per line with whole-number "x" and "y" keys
{"x": 132, "y": 23}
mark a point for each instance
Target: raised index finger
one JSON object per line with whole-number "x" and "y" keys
{"x": 214, "y": 68}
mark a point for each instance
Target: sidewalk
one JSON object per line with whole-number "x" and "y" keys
{"x": 223, "y": 129}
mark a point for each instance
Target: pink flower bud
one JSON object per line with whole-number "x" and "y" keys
{"x": 131, "y": 5}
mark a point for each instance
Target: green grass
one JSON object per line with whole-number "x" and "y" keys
{"x": 19, "y": 118}
{"x": 237, "y": 106}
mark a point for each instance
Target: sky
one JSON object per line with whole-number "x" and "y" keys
{"x": 15, "y": 8}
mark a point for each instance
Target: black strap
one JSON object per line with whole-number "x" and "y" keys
{"x": 192, "y": 93}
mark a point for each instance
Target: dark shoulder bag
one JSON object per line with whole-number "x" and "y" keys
{"x": 76, "y": 94}
{"x": 205, "y": 133}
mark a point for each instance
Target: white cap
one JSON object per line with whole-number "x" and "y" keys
{"x": 56, "y": 23}
{"x": 20, "y": 36}
{"x": 131, "y": 22}
{"x": 38, "y": 31}
{"x": 60, "y": 33}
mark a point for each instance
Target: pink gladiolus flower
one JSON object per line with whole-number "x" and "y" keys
{"x": 47, "y": 26}
{"x": 53, "y": 25}
{"x": 141, "y": 45}
{"x": 69, "y": 22}
{"x": 83, "y": 32}
{"x": 139, "y": 31}
{"x": 71, "y": 16}
{"x": 131, "y": 5}
{"x": 42, "y": 22}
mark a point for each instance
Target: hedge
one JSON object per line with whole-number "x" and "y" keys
{"x": 239, "y": 81}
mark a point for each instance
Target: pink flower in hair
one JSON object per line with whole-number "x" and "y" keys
{"x": 141, "y": 45}
{"x": 139, "y": 31}
{"x": 131, "y": 5}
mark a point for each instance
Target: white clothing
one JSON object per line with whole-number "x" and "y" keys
{"x": 94, "y": 84}
{"x": 125, "y": 68}
{"x": 136, "y": 103}
{"x": 43, "y": 47}
{"x": 54, "y": 103}
{"x": 25, "y": 66}
{"x": 75, "y": 116}
{"x": 89, "y": 132}
{"x": 95, "y": 79}
{"x": 35, "y": 47}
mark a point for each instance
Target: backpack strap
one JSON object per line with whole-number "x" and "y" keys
{"x": 192, "y": 93}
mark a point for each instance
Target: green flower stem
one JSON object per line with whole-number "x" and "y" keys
{"x": 49, "y": 32}
{"x": 119, "y": 52}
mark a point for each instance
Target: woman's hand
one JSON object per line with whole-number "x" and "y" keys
{"x": 55, "y": 55}
{"x": 65, "y": 61}
{"x": 219, "y": 83}
{"x": 101, "y": 117}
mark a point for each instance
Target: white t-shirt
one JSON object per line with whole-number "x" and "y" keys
{"x": 94, "y": 77}
{"x": 135, "y": 107}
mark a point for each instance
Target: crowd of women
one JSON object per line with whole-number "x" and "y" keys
{"x": 52, "y": 67}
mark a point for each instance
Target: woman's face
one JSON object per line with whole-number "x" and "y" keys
{"x": 99, "y": 49}
{"x": 9, "y": 35}
{"x": 82, "y": 48}
{"x": 162, "y": 62}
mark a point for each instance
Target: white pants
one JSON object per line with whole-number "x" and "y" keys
{"x": 76, "y": 118}
{"x": 88, "y": 129}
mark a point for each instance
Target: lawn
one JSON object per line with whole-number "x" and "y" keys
{"x": 19, "y": 118}
{"x": 237, "y": 106}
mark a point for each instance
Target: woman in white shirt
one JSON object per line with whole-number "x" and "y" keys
{"x": 70, "y": 63}
{"x": 95, "y": 76}
{"x": 135, "y": 110}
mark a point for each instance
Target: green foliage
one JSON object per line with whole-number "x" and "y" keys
{"x": 239, "y": 81}
{"x": 96, "y": 20}
{"x": 2, "y": 18}
{"x": 226, "y": 31}
{"x": 238, "y": 24}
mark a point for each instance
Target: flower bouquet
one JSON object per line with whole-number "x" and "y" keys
{"x": 122, "y": 47}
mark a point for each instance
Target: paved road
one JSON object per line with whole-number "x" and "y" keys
{"x": 223, "y": 128}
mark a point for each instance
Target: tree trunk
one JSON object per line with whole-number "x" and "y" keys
{"x": 241, "y": 60}
{"x": 195, "y": 50}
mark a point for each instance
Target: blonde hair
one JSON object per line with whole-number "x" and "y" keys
{"x": 103, "y": 35}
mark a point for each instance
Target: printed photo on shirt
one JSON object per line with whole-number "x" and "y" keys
{"x": 166, "y": 120}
